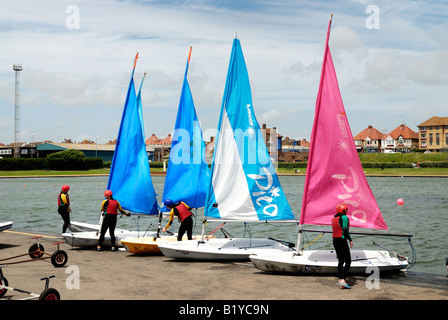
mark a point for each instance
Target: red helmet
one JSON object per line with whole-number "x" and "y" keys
{"x": 341, "y": 208}
{"x": 108, "y": 193}
{"x": 65, "y": 188}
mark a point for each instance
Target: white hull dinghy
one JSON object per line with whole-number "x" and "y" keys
{"x": 316, "y": 262}
{"x": 238, "y": 249}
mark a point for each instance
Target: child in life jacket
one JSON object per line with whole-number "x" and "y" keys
{"x": 110, "y": 208}
{"x": 185, "y": 216}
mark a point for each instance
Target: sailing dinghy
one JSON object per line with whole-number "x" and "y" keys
{"x": 188, "y": 174}
{"x": 129, "y": 178}
{"x": 244, "y": 186}
{"x": 5, "y": 225}
{"x": 334, "y": 175}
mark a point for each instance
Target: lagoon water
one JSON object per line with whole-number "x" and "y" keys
{"x": 31, "y": 203}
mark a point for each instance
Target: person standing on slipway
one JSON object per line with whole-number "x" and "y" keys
{"x": 64, "y": 207}
{"x": 341, "y": 224}
{"x": 110, "y": 208}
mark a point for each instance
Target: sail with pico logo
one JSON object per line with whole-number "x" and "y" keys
{"x": 244, "y": 185}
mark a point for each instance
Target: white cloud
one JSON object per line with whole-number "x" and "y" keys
{"x": 87, "y": 70}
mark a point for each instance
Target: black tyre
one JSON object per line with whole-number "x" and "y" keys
{"x": 59, "y": 258}
{"x": 50, "y": 294}
{"x": 36, "y": 251}
{"x": 3, "y": 282}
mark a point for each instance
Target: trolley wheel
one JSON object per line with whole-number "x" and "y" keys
{"x": 50, "y": 294}
{"x": 36, "y": 251}
{"x": 3, "y": 282}
{"x": 59, "y": 258}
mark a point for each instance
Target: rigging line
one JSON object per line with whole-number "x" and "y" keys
{"x": 247, "y": 228}
{"x": 226, "y": 233}
{"x": 195, "y": 219}
{"x": 414, "y": 255}
{"x": 216, "y": 229}
{"x": 313, "y": 240}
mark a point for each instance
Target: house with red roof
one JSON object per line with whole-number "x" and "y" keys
{"x": 401, "y": 139}
{"x": 161, "y": 146}
{"x": 368, "y": 140}
{"x": 152, "y": 140}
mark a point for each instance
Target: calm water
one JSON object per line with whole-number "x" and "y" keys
{"x": 32, "y": 204}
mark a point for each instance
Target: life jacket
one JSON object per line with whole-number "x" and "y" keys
{"x": 182, "y": 211}
{"x": 337, "y": 228}
{"x": 61, "y": 203}
{"x": 111, "y": 206}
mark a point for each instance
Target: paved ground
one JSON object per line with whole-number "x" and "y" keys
{"x": 106, "y": 275}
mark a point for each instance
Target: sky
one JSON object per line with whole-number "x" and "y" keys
{"x": 391, "y": 60}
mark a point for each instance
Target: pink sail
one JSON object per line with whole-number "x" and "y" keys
{"x": 334, "y": 172}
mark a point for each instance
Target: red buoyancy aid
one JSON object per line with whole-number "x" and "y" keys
{"x": 61, "y": 203}
{"x": 112, "y": 206}
{"x": 183, "y": 211}
{"x": 337, "y": 229}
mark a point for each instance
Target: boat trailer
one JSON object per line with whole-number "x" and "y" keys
{"x": 36, "y": 252}
{"x": 46, "y": 294}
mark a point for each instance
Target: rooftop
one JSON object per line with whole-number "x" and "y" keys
{"x": 404, "y": 131}
{"x": 435, "y": 121}
{"x": 371, "y": 132}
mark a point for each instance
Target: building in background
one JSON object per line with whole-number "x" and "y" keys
{"x": 368, "y": 140}
{"x": 401, "y": 139}
{"x": 433, "y": 134}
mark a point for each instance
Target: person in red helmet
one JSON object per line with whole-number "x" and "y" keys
{"x": 341, "y": 235}
{"x": 64, "y": 207}
{"x": 110, "y": 208}
{"x": 185, "y": 216}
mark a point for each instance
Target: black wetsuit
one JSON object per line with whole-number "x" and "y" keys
{"x": 341, "y": 225}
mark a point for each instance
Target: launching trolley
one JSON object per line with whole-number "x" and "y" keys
{"x": 46, "y": 294}
{"x": 36, "y": 252}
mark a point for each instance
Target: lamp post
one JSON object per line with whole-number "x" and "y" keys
{"x": 17, "y": 68}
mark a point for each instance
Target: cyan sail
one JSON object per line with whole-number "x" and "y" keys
{"x": 188, "y": 174}
{"x": 129, "y": 178}
{"x": 244, "y": 185}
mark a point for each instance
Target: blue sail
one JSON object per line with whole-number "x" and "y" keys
{"x": 139, "y": 105}
{"x": 188, "y": 174}
{"x": 244, "y": 185}
{"x": 129, "y": 178}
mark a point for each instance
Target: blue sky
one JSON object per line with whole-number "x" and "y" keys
{"x": 76, "y": 71}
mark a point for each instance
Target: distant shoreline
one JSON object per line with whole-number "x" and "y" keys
{"x": 162, "y": 173}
